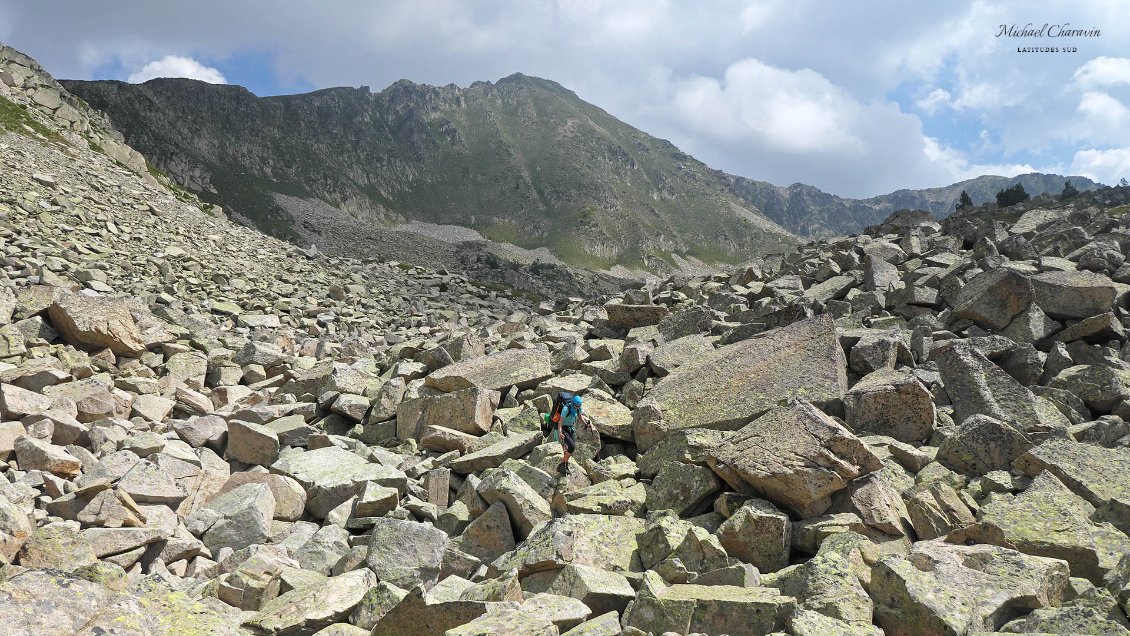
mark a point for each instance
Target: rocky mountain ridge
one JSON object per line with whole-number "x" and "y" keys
{"x": 919, "y": 430}
{"x": 809, "y": 212}
{"x": 521, "y": 161}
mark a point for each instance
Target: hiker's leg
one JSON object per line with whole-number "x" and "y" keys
{"x": 568, "y": 445}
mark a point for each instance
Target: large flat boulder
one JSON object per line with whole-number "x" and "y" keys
{"x": 332, "y": 475}
{"x": 725, "y": 388}
{"x": 993, "y": 298}
{"x": 313, "y": 607}
{"x": 96, "y": 323}
{"x": 406, "y": 553}
{"x": 1095, "y": 473}
{"x": 51, "y": 603}
{"x": 467, "y": 411}
{"x": 941, "y": 589}
{"x": 795, "y": 456}
{"x": 1071, "y": 295}
{"x": 623, "y": 316}
{"x": 977, "y": 386}
{"x": 709, "y": 609}
{"x": 891, "y": 403}
{"x": 1047, "y": 519}
{"x": 598, "y": 541}
{"x": 523, "y": 368}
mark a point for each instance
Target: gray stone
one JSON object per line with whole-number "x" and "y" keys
{"x": 786, "y": 455}
{"x": 892, "y": 403}
{"x": 725, "y": 388}
{"x": 406, "y": 553}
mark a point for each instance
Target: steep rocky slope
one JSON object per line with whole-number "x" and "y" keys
{"x": 921, "y": 430}
{"x": 522, "y": 160}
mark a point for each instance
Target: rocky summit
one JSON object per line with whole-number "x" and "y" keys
{"x": 921, "y": 430}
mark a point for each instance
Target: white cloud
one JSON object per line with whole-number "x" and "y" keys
{"x": 789, "y": 111}
{"x": 1106, "y": 166}
{"x": 1105, "y": 110}
{"x": 755, "y": 15}
{"x": 954, "y": 163}
{"x": 1103, "y": 71}
{"x": 936, "y": 99}
{"x": 177, "y": 66}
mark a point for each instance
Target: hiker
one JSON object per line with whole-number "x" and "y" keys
{"x": 567, "y": 429}
{"x": 565, "y": 413}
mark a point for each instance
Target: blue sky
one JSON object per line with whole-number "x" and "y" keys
{"x": 858, "y": 98}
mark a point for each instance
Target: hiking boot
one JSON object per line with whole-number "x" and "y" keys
{"x": 563, "y": 468}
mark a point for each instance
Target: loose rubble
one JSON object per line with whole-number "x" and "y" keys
{"x": 921, "y": 431}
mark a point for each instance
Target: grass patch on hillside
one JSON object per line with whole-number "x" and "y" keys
{"x": 14, "y": 118}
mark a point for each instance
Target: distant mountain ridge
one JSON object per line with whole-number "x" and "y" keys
{"x": 808, "y": 211}
{"x": 521, "y": 160}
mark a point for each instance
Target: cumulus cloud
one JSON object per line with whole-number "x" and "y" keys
{"x": 955, "y": 163}
{"x": 1106, "y": 111}
{"x": 1103, "y": 71}
{"x": 177, "y": 66}
{"x": 790, "y": 111}
{"x": 1105, "y": 166}
{"x": 936, "y": 99}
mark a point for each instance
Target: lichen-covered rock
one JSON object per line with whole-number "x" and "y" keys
{"x": 1065, "y": 295}
{"x": 96, "y": 322}
{"x": 891, "y": 403}
{"x": 467, "y": 411}
{"x": 308, "y": 609}
{"x": 1094, "y": 473}
{"x": 785, "y": 456}
{"x": 720, "y": 609}
{"x": 758, "y": 533}
{"x": 1047, "y": 519}
{"x": 332, "y": 475}
{"x": 993, "y": 298}
{"x": 941, "y": 589}
{"x": 977, "y": 386}
{"x": 523, "y": 368}
{"x": 406, "y": 553}
{"x": 983, "y": 444}
{"x": 728, "y": 386}
{"x": 594, "y": 540}
{"x": 50, "y": 603}
{"x": 684, "y": 488}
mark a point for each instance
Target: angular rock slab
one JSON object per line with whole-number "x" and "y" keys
{"x": 332, "y": 475}
{"x": 523, "y": 368}
{"x": 981, "y": 445}
{"x": 1096, "y": 474}
{"x": 467, "y": 411}
{"x": 976, "y": 386}
{"x": 623, "y": 316}
{"x": 1070, "y": 295}
{"x": 941, "y": 589}
{"x": 724, "y": 388}
{"x": 50, "y": 603}
{"x": 993, "y": 298}
{"x": 598, "y": 541}
{"x": 406, "y": 553}
{"x": 1047, "y": 519}
{"x": 313, "y": 607}
{"x": 709, "y": 609}
{"x": 95, "y": 323}
{"x": 795, "y": 456}
{"x": 892, "y": 403}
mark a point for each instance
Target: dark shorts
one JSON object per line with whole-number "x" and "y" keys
{"x": 569, "y": 439}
